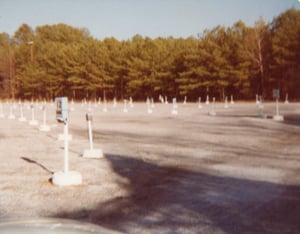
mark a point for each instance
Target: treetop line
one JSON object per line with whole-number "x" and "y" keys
{"x": 60, "y": 60}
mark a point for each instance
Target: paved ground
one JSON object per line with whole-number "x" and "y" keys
{"x": 190, "y": 173}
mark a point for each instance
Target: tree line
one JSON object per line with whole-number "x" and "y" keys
{"x": 60, "y": 60}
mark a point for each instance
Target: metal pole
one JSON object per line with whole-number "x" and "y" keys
{"x": 277, "y": 107}
{"x": 44, "y": 115}
{"x": 32, "y": 113}
{"x": 66, "y": 148}
{"x": 90, "y": 134}
{"x": 21, "y": 111}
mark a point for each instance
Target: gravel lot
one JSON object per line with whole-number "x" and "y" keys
{"x": 188, "y": 173}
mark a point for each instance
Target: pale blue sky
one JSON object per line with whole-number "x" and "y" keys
{"x": 123, "y": 19}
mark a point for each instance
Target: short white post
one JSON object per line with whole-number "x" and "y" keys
{"x": 199, "y": 103}
{"x": 231, "y": 102}
{"x": 261, "y": 108}
{"x": 22, "y": 118}
{"x": 44, "y": 127}
{"x": 226, "y": 103}
{"x": 33, "y": 121}
{"x": 257, "y": 100}
{"x": 115, "y": 102}
{"x": 207, "y": 100}
{"x": 278, "y": 117}
{"x": 72, "y": 105}
{"x": 125, "y": 110}
{"x": 11, "y": 112}
{"x": 149, "y": 109}
{"x": 91, "y": 152}
{"x": 131, "y": 102}
{"x": 1, "y": 111}
{"x": 166, "y": 100}
{"x": 184, "y": 101}
{"x": 161, "y": 98}
{"x": 44, "y": 115}
{"x": 152, "y": 103}
{"x": 105, "y": 106}
{"x": 286, "y": 99}
{"x": 174, "y": 108}
{"x": 213, "y": 111}
{"x": 89, "y": 106}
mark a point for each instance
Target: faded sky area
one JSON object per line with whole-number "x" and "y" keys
{"x": 123, "y": 19}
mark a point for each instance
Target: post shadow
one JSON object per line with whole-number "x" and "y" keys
{"x": 37, "y": 163}
{"x": 170, "y": 199}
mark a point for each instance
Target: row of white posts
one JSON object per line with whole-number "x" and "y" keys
{"x": 65, "y": 177}
{"x": 105, "y": 109}
{"x": 149, "y": 103}
{"x": 74, "y": 178}
{"x": 33, "y": 121}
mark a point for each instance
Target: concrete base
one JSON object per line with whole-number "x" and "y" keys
{"x": 61, "y": 137}
{"x": 212, "y": 113}
{"x": 278, "y": 117}
{"x": 149, "y": 111}
{"x": 44, "y": 128}
{"x": 33, "y": 122}
{"x": 94, "y": 153}
{"x": 22, "y": 119}
{"x": 263, "y": 116}
{"x": 174, "y": 112}
{"x": 67, "y": 179}
{"x": 11, "y": 116}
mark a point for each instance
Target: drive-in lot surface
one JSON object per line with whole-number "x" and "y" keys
{"x": 190, "y": 173}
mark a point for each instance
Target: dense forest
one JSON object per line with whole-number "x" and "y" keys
{"x": 243, "y": 61}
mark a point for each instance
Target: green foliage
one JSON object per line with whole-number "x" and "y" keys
{"x": 7, "y": 66}
{"x": 242, "y": 61}
{"x": 285, "y": 41}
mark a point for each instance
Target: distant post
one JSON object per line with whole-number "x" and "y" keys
{"x": 276, "y": 95}
{"x": 212, "y": 112}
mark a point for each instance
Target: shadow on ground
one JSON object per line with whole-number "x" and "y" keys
{"x": 292, "y": 119}
{"x": 177, "y": 200}
{"x": 36, "y": 163}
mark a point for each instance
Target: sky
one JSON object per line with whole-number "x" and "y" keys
{"x": 124, "y": 19}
